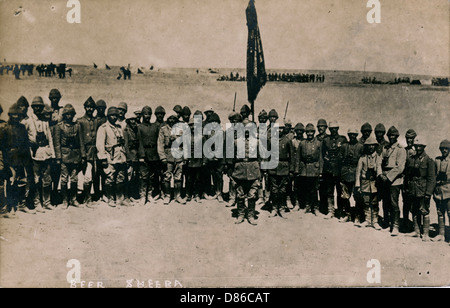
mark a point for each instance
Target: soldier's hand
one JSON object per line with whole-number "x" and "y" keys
{"x": 104, "y": 164}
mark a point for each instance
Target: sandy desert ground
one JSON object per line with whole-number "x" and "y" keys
{"x": 198, "y": 245}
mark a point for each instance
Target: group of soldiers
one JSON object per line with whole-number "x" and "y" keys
{"x": 118, "y": 158}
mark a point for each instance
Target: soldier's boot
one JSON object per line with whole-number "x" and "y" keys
{"x": 73, "y": 195}
{"x": 37, "y": 201}
{"x": 441, "y": 235}
{"x": 166, "y": 192}
{"x": 87, "y": 195}
{"x": 177, "y": 193}
{"x": 426, "y": 228}
{"x": 416, "y": 232}
{"x": 367, "y": 217}
{"x": 143, "y": 192}
{"x": 232, "y": 198}
{"x": 308, "y": 208}
{"x": 65, "y": 196}
{"x": 275, "y": 205}
{"x": 240, "y": 211}
{"x": 330, "y": 214}
{"x": 197, "y": 198}
{"x": 251, "y": 215}
{"x": 284, "y": 204}
{"x": 260, "y": 201}
{"x": 46, "y": 194}
{"x": 120, "y": 193}
{"x": 375, "y": 223}
{"x": 395, "y": 229}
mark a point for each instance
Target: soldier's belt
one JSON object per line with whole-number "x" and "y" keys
{"x": 310, "y": 161}
{"x": 71, "y": 147}
{"x": 246, "y": 160}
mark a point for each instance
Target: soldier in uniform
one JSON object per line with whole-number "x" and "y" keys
{"x": 332, "y": 159}
{"x": 308, "y": 166}
{"x": 245, "y": 112}
{"x": 297, "y": 196}
{"x": 407, "y": 203}
{"x": 100, "y": 107}
{"x": 246, "y": 175}
{"x": 441, "y": 195}
{"x": 132, "y": 152}
{"x": 138, "y": 114}
{"x": 70, "y": 153}
{"x": 55, "y": 168}
{"x": 123, "y": 109}
{"x": 367, "y": 171}
{"x": 262, "y": 135}
{"x": 88, "y": 128}
{"x": 193, "y": 169}
{"x": 178, "y": 109}
{"x": 151, "y": 166}
{"x": 391, "y": 179}
{"x": 186, "y": 114}
{"x": 351, "y": 152}
{"x": 420, "y": 181}
{"x": 111, "y": 150}
{"x": 234, "y": 118}
{"x": 380, "y": 131}
{"x": 99, "y": 177}
{"x": 15, "y": 148}
{"x": 323, "y": 195}
{"x": 279, "y": 177}
{"x": 173, "y": 167}
{"x": 42, "y": 153}
{"x": 366, "y": 131}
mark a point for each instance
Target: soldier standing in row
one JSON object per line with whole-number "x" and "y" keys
{"x": 16, "y": 152}
{"x": 441, "y": 193}
{"x": 391, "y": 180}
{"x": 112, "y": 153}
{"x": 367, "y": 171}
{"x": 99, "y": 177}
{"x": 55, "y": 168}
{"x": 407, "y": 203}
{"x": 322, "y": 127}
{"x": 194, "y": 169}
{"x": 234, "y": 118}
{"x": 3, "y": 175}
{"x": 262, "y": 135}
{"x": 380, "y": 131}
{"x": 70, "y": 154}
{"x": 88, "y": 128}
{"x": 308, "y": 166}
{"x": 332, "y": 159}
{"x": 351, "y": 152}
{"x": 420, "y": 181}
{"x": 132, "y": 151}
{"x": 366, "y": 131}
{"x": 42, "y": 153}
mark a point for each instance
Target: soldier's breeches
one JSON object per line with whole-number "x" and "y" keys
{"x": 278, "y": 184}
{"x": 69, "y": 173}
{"x": 41, "y": 170}
{"x": 150, "y": 172}
{"x": 89, "y": 173}
{"x": 193, "y": 186}
{"x": 174, "y": 170}
{"x": 443, "y": 207}
{"x": 115, "y": 174}
{"x": 370, "y": 200}
{"x": 390, "y": 202}
{"x": 420, "y": 206}
{"x": 310, "y": 187}
{"x": 15, "y": 192}
{"x": 247, "y": 189}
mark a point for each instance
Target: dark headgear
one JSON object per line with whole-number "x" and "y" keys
{"x": 445, "y": 144}
{"x": 410, "y": 134}
{"x": 89, "y": 102}
{"x": 112, "y": 111}
{"x": 14, "y": 109}
{"x": 186, "y": 111}
{"x": 147, "y": 110}
{"x": 37, "y": 101}
{"x": 273, "y": 113}
{"x": 177, "y": 108}
{"x": 54, "y": 93}
{"x": 310, "y": 127}
{"x": 263, "y": 113}
{"x": 68, "y": 109}
{"x": 322, "y": 122}
{"x": 100, "y": 103}
{"x": 380, "y": 128}
{"x": 198, "y": 112}
{"x": 213, "y": 118}
{"x": 22, "y": 101}
{"x": 123, "y": 105}
{"x": 392, "y": 131}
{"x": 299, "y": 126}
{"x": 245, "y": 109}
{"x": 160, "y": 109}
{"x": 366, "y": 127}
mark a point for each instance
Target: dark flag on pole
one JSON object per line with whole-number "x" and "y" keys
{"x": 256, "y": 70}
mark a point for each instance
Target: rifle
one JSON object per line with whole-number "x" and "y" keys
{"x": 285, "y": 112}
{"x": 234, "y": 105}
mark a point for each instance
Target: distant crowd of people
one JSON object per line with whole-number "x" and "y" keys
{"x": 286, "y": 77}
{"x": 44, "y": 70}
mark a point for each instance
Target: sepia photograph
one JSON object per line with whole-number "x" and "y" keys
{"x": 224, "y": 144}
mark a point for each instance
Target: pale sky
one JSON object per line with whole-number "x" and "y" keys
{"x": 413, "y": 36}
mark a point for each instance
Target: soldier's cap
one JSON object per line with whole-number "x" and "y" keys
{"x": 198, "y": 112}
{"x": 232, "y": 115}
{"x": 123, "y": 106}
{"x": 146, "y": 110}
{"x": 14, "y": 109}
{"x": 137, "y": 111}
{"x": 37, "y": 101}
{"x": 90, "y": 102}
{"x": 54, "y": 93}
{"x": 310, "y": 127}
{"x": 322, "y": 122}
{"x": 186, "y": 111}
{"x": 47, "y": 109}
{"x": 273, "y": 113}
{"x": 410, "y": 133}
{"x": 380, "y": 128}
{"x": 287, "y": 122}
{"x": 160, "y": 109}
{"x": 22, "y": 101}
{"x": 333, "y": 124}
{"x": 420, "y": 140}
{"x": 209, "y": 108}
{"x": 112, "y": 111}
{"x": 213, "y": 118}
{"x": 239, "y": 118}
{"x": 177, "y": 108}
{"x": 299, "y": 126}
{"x": 393, "y": 131}
{"x": 245, "y": 109}
{"x": 100, "y": 103}
{"x": 68, "y": 109}
{"x": 444, "y": 144}
{"x": 371, "y": 141}
{"x": 366, "y": 127}
{"x": 352, "y": 131}
{"x": 263, "y": 113}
